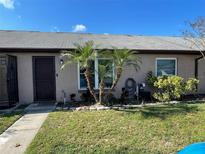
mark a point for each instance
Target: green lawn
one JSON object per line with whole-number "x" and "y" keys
{"x": 7, "y": 120}
{"x": 159, "y": 129}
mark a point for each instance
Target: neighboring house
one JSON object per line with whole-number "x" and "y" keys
{"x": 32, "y": 62}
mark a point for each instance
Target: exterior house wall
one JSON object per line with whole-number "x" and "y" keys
{"x": 25, "y": 78}
{"x": 67, "y": 79}
{"x": 202, "y": 76}
{"x": 185, "y": 68}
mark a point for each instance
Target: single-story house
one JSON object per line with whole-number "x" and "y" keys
{"x": 30, "y": 63}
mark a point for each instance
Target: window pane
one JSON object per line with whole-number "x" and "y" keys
{"x": 82, "y": 70}
{"x": 83, "y": 82}
{"x": 109, "y": 71}
{"x": 166, "y": 67}
{"x": 108, "y": 81}
{"x": 92, "y": 66}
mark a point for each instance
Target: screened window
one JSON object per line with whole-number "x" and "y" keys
{"x": 166, "y": 66}
{"x": 108, "y": 79}
{"x": 109, "y": 76}
{"x": 83, "y": 82}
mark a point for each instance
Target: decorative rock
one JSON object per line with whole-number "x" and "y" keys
{"x": 58, "y": 108}
{"x": 90, "y": 108}
{"x": 82, "y": 108}
{"x": 103, "y": 108}
{"x": 72, "y": 108}
{"x": 93, "y": 108}
{"x": 66, "y": 108}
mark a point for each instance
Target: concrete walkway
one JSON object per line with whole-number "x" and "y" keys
{"x": 17, "y": 138}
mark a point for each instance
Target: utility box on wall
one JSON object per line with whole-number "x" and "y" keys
{"x": 8, "y": 80}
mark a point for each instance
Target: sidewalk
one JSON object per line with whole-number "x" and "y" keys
{"x": 17, "y": 138}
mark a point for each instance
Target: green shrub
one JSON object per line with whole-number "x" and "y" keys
{"x": 150, "y": 79}
{"x": 191, "y": 84}
{"x": 173, "y": 87}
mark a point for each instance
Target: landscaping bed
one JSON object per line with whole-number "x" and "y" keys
{"x": 148, "y": 129}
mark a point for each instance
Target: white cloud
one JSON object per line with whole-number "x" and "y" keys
{"x": 55, "y": 29}
{"x": 9, "y": 4}
{"x": 79, "y": 28}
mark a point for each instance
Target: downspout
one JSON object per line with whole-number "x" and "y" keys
{"x": 197, "y": 69}
{"x": 197, "y": 66}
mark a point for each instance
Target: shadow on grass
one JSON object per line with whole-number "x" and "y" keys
{"x": 162, "y": 111}
{"x": 123, "y": 149}
{"x": 14, "y": 113}
{"x": 6, "y": 120}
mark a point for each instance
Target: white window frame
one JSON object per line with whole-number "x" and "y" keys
{"x": 176, "y": 64}
{"x": 96, "y": 74}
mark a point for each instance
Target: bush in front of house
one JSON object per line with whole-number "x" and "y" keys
{"x": 150, "y": 79}
{"x": 173, "y": 87}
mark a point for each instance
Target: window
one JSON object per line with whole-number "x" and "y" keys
{"x": 166, "y": 66}
{"x": 82, "y": 83}
{"x": 108, "y": 79}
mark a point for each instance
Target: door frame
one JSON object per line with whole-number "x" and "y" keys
{"x": 34, "y": 79}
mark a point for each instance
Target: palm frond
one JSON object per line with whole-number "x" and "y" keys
{"x": 83, "y": 54}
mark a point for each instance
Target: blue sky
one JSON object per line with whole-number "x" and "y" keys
{"x": 145, "y": 17}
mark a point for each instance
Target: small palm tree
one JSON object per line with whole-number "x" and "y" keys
{"x": 121, "y": 59}
{"x": 83, "y": 54}
{"x": 103, "y": 72}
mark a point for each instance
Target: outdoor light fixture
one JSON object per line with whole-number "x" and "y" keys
{"x": 61, "y": 61}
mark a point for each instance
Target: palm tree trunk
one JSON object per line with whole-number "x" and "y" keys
{"x": 89, "y": 83}
{"x": 101, "y": 91}
{"x": 119, "y": 72}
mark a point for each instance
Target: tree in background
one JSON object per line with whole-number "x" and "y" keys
{"x": 195, "y": 34}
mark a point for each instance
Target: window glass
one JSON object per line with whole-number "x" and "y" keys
{"x": 83, "y": 82}
{"x": 166, "y": 67}
{"x": 94, "y": 65}
{"x": 108, "y": 79}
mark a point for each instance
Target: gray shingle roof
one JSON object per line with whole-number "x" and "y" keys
{"x": 48, "y": 40}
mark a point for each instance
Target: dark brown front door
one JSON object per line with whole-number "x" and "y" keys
{"x": 12, "y": 80}
{"x": 44, "y": 78}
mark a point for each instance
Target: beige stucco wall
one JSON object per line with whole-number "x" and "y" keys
{"x": 202, "y": 76}
{"x": 67, "y": 79}
{"x": 185, "y": 68}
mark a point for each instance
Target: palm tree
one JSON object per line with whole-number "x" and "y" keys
{"x": 83, "y": 54}
{"x": 103, "y": 72}
{"x": 121, "y": 59}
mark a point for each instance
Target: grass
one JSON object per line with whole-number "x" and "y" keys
{"x": 6, "y": 120}
{"x": 153, "y": 129}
